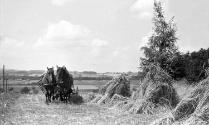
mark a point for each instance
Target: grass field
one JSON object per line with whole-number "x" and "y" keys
{"x": 31, "y": 109}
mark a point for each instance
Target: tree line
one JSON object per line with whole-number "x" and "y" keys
{"x": 191, "y": 65}
{"x": 161, "y": 51}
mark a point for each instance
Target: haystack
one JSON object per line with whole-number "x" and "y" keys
{"x": 196, "y": 103}
{"x": 194, "y": 121}
{"x": 151, "y": 95}
{"x": 163, "y": 121}
{"x": 105, "y": 99}
{"x": 193, "y": 108}
{"x": 96, "y": 99}
{"x": 155, "y": 91}
{"x": 117, "y": 99}
{"x": 119, "y": 85}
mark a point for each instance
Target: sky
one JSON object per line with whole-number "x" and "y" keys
{"x": 93, "y": 35}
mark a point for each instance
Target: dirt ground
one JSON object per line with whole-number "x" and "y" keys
{"x": 32, "y": 110}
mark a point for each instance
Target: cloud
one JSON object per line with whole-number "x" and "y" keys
{"x": 12, "y": 51}
{"x": 65, "y": 29}
{"x": 60, "y": 2}
{"x": 144, "y": 8}
{"x": 120, "y": 50}
{"x": 64, "y": 34}
{"x": 65, "y": 43}
{"x": 75, "y": 43}
{"x": 8, "y": 43}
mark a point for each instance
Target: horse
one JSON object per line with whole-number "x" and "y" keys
{"x": 65, "y": 82}
{"x": 48, "y": 84}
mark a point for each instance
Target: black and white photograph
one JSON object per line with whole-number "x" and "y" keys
{"x": 104, "y": 62}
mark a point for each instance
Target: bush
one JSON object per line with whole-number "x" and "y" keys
{"x": 76, "y": 99}
{"x": 25, "y": 90}
{"x": 11, "y": 89}
{"x": 34, "y": 90}
{"x": 1, "y": 90}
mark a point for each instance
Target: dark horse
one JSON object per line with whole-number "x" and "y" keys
{"x": 65, "y": 82}
{"x": 48, "y": 84}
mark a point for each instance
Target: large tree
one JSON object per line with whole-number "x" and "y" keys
{"x": 161, "y": 48}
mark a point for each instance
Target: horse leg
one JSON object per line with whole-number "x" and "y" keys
{"x": 69, "y": 94}
{"x": 50, "y": 94}
{"x": 69, "y": 98}
{"x": 64, "y": 95}
{"x": 47, "y": 95}
{"x": 53, "y": 96}
{"x": 61, "y": 98}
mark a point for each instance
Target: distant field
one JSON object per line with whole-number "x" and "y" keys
{"x": 81, "y": 84}
{"x": 19, "y": 81}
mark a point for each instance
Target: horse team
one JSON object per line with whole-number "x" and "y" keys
{"x": 57, "y": 87}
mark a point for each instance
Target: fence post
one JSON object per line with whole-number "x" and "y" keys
{"x": 3, "y": 79}
{"x": 6, "y": 83}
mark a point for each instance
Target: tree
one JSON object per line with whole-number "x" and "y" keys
{"x": 161, "y": 48}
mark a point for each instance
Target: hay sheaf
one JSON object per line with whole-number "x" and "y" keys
{"x": 142, "y": 107}
{"x": 194, "y": 121}
{"x": 193, "y": 108}
{"x": 116, "y": 89}
{"x": 117, "y": 99}
{"x": 96, "y": 99}
{"x": 148, "y": 98}
{"x": 119, "y": 85}
{"x": 156, "y": 91}
{"x": 104, "y": 99}
{"x": 164, "y": 94}
{"x": 163, "y": 121}
{"x": 197, "y": 103}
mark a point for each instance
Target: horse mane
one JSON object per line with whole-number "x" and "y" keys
{"x": 45, "y": 79}
{"x": 53, "y": 78}
{"x": 66, "y": 73}
{"x": 67, "y": 77}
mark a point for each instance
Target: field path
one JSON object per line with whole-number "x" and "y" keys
{"x": 32, "y": 110}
